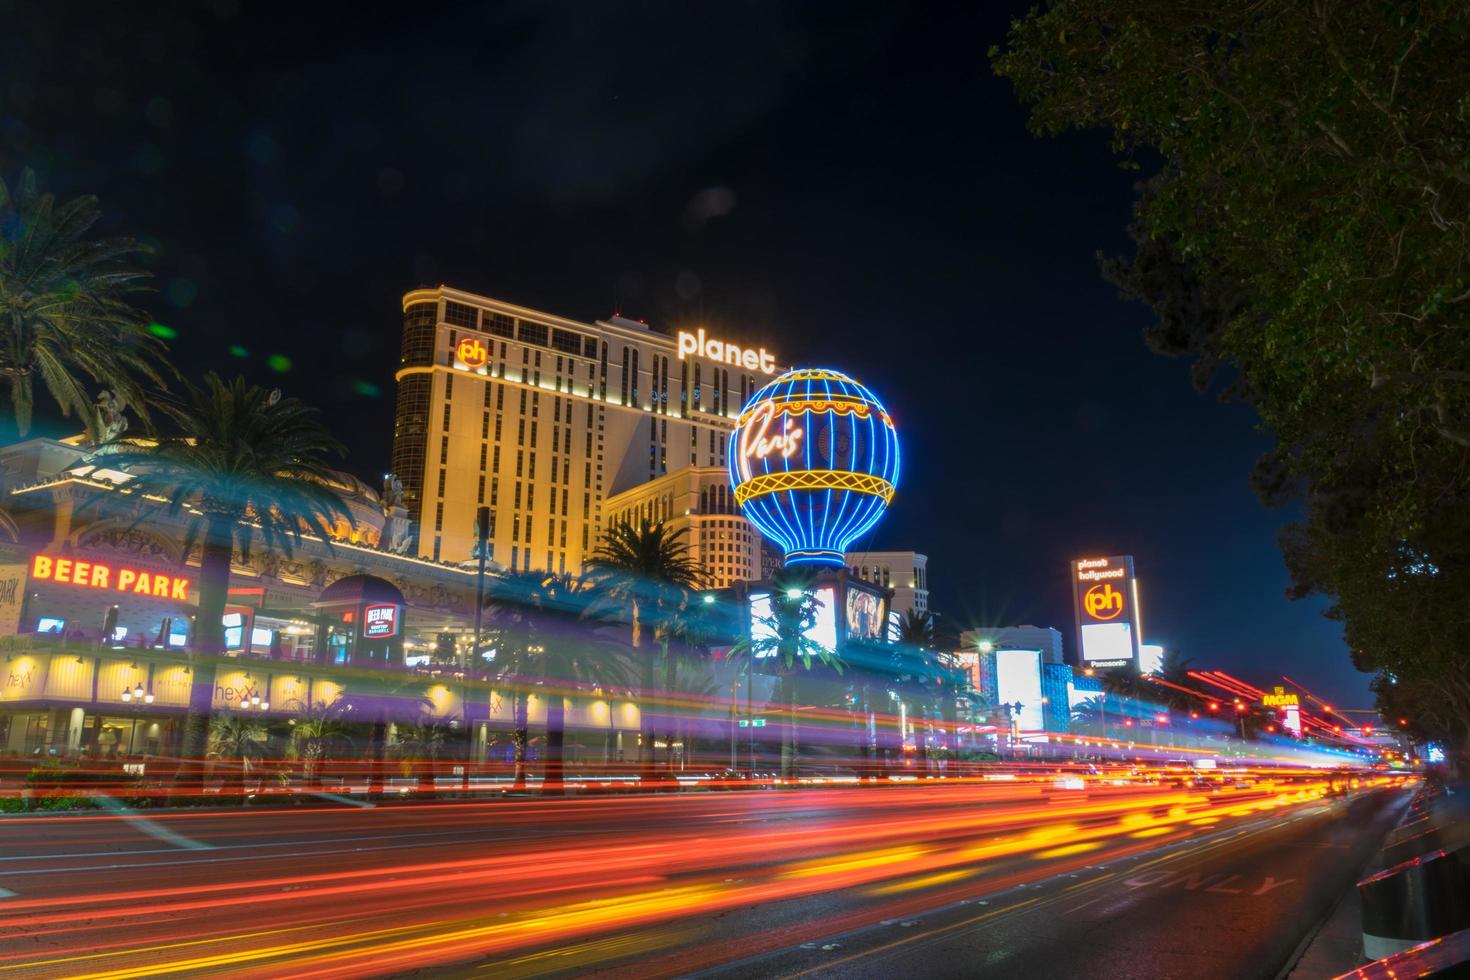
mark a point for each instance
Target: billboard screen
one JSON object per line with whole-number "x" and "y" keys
{"x": 822, "y": 632}
{"x": 864, "y": 615}
{"x": 1150, "y": 658}
{"x": 1018, "y": 679}
{"x": 1105, "y": 599}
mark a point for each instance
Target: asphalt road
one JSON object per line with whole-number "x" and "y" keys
{"x": 1233, "y": 904}
{"x": 900, "y": 880}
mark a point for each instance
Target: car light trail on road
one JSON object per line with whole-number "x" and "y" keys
{"x": 343, "y": 892}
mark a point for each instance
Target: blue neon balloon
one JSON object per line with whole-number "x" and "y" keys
{"x": 814, "y": 463}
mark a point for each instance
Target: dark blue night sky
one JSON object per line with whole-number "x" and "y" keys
{"x": 846, "y": 184}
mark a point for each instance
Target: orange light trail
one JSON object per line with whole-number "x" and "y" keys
{"x": 593, "y": 878}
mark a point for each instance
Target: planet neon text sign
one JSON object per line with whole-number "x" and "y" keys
{"x": 716, "y": 350}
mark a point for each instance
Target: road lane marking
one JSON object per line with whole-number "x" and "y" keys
{"x": 926, "y": 934}
{"x": 152, "y": 828}
{"x": 1272, "y": 883}
{"x": 462, "y": 838}
{"x": 335, "y": 798}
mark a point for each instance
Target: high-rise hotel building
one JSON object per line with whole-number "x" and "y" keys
{"x": 542, "y": 419}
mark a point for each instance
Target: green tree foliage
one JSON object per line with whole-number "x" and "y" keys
{"x": 546, "y": 631}
{"x": 237, "y": 741}
{"x": 785, "y": 638}
{"x": 1306, "y": 231}
{"x": 320, "y": 726}
{"x": 242, "y": 465}
{"x": 915, "y": 629}
{"x": 64, "y": 311}
{"x": 645, "y": 567}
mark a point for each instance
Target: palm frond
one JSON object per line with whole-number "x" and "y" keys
{"x": 66, "y": 295}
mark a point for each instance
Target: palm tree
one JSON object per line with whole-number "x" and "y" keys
{"x": 316, "y": 728}
{"x": 235, "y": 737}
{"x": 785, "y": 637}
{"x": 647, "y": 568}
{"x": 546, "y": 631}
{"x": 915, "y": 629}
{"x": 1174, "y": 673}
{"x": 244, "y": 463}
{"x": 422, "y": 742}
{"x": 63, "y": 310}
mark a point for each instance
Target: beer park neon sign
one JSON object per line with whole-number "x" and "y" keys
{"x": 749, "y": 358}
{"x": 112, "y": 578}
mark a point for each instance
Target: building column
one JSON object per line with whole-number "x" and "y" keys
{"x": 74, "y": 730}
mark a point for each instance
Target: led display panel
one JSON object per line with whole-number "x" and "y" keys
{"x": 1107, "y": 642}
{"x": 822, "y": 632}
{"x": 1018, "y": 679}
{"x": 864, "y": 615}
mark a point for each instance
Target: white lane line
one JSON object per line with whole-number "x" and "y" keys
{"x": 346, "y": 799}
{"x": 424, "y": 839}
{"x": 152, "y": 828}
{"x": 476, "y": 839}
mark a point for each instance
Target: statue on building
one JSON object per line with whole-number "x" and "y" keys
{"x": 108, "y": 420}
{"x": 397, "y": 527}
{"x": 392, "y": 493}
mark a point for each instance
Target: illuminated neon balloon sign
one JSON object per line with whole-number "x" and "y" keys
{"x": 814, "y": 463}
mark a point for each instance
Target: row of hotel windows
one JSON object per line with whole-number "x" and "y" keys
{"x": 569, "y": 342}
{"x": 881, "y": 574}
{"x": 629, "y": 394}
{"x": 525, "y": 463}
{"x": 725, "y": 550}
{"x": 526, "y": 331}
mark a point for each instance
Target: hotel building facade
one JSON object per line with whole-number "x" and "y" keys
{"x": 560, "y": 427}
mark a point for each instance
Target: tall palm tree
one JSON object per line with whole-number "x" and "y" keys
{"x": 785, "y": 637}
{"x": 646, "y": 567}
{"x": 243, "y": 464}
{"x": 546, "y": 634}
{"x": 64, "y": 315}
{"x": 1175, "y": 674}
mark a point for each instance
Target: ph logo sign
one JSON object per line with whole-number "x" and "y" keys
{"x": 1103, "y": 602}
{"x": 472, "y": 353}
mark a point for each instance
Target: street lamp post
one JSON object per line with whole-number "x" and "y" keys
{"x": 482, "y": 538}
{"x": 750, "y": 711}
{"x": 129, "y": 696}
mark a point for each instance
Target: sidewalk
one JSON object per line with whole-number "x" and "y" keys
{"x": 1337, "y": 946}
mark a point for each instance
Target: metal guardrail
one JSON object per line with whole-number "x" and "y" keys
{"x": 1422, "y": 892}
{"x": 1412, "y": 902}
{"x": 1446, "y": 956}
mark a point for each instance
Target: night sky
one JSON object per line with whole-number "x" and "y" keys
{"x": 846, "y": 184}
